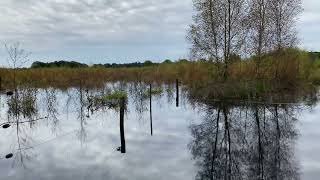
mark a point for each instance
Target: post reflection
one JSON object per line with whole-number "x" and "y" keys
{"x": 122, "y": 136}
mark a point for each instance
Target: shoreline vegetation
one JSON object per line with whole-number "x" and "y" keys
{"x": 242, "y": 50}
{"x": 285, "y": 72}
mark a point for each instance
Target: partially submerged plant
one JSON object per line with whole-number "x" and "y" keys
{"x": 111, "y": 100}
{"x": 154, "y": 92}
{"x": 24, "y": 103}
{"x": 116, "y": 95}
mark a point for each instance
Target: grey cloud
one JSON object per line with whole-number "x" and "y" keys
{"x": 95, "y": 20}
{"x": 309, "y": 25}
{"x": 135, "y": 28}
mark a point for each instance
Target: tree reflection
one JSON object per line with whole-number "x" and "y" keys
{"x": 248, "y": 141}
{"x": 143, "y": 95}
{"x": 23, "y": 103}
{"x": 81, "y": 111}
{"x": 22, "y": 112}
{"x": 137, "y": 91}
{"x": 51, "y": 104}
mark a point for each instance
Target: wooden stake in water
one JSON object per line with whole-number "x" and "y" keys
{"x": 150, "y": 95}
{"x": 177, "y": 92}
{"x": 123, "y": 141}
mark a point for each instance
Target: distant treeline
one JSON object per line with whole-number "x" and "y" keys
{"x": 55, "y": 64}
{"x": 314, "y": 55}
{"x": 74, "y": 64}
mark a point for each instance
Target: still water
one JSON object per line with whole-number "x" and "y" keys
{"x": 57, "y": 134}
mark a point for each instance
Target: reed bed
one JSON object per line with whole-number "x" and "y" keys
{"x": 289, "y": 70}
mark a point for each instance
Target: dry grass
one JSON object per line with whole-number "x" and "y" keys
{"x": 96, "y": 77}
{"x": 289, "y": 70}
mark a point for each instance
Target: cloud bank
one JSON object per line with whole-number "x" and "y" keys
{"x": 113, "y": 31}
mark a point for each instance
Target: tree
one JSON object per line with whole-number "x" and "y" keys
{"x": 167, "y": 61}
{"x": 283, "y": 17}
{"x": 17, "y": 58}
{"x": 259, "y": 29}
{"x": 219, "y": 29}
{"x": 148, "y": 63}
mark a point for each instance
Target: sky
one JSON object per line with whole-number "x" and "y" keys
{"x": 107, "y": 31}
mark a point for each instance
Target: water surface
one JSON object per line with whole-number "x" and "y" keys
{"x": 56, "y": 134}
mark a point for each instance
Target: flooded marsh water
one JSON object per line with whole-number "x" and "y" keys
{"x": 55, "y": 134}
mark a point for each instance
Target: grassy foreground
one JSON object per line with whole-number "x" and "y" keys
{"x": 292, "y": 69}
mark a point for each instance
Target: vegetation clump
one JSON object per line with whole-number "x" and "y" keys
{"x": 154, "y": 92}
{"x": 116, "y": 95}
{"x": 112, "y": 100}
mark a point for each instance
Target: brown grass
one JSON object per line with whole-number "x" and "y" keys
{"x": 289, "y": 70}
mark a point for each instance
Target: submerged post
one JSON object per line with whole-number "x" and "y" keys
{"x": 123, "y": 141}
{"x": 150, "y": 95}
{"x": 177, "y": 92}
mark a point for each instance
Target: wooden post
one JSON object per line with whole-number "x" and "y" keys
{"x": 177, "y": 92}
{"x": 150, "y": 92}
{"x": 123, "y": 141}
{"x": 0, "y": 83}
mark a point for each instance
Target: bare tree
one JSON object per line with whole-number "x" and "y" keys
{"x": 259, "y": 29}
{"x": 218, "y": 30}
{"x": 17, "y": 58}
{"x": 283, "y": 16}
{"x": 205, "y": 33}
{"x": 221, "y": 28}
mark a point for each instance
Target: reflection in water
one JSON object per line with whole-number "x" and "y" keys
{"x": 141, "y": 93}
{"x": 137, "y": 91}
{"x": 245, "y": 142}
{"x": 122, "y": 137}
{"x": 23, "y": 103}
{"x": 177, "y": 92}
{"x": 231, "y": 141}
{"x": 81, "y": 110}
{"x": 50, "y": 104}
{"x": 22, "y": 113}
{"x": 150, "y": 109}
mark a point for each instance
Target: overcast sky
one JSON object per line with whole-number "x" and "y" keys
{"x": 94, "y": 31}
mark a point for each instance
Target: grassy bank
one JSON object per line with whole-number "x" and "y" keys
{"x": 292, "y": 69}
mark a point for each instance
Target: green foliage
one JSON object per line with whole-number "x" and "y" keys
{"x": 147, "y": 63}
{"x": 116, "y": 95}
{"x": 58, "y": 64}
{"x": 167, "y": 61}
{"x": 154, "y": 92}
{"x": 73, "y": 64}
{"x": 183, "y": 61}
{"x": 23, "y": 103}
{"x": 314, "y": 55}
{"x": 125, "y": 65}
{"x": 111, "y": 100}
